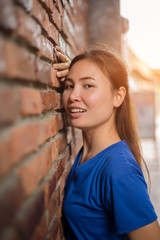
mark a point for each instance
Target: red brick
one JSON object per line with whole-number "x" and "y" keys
{"x": 54, "y": 80}
{"x": 53, "y": 13}
{"x": 47, "y": 129}
{"x": 46, "y": 48}
{"x": 11, "y": 197}
{"x": 5, "y": 155}
{"x": 70, "y": 53}
{"x": 30, "y": 101}
{"x": 40, "y": 14}
{"x": 60, "y": 120}
{"x": 69, "y": 11}
{"x": 36, "y": 169}
{"x": 54, "y": 204}
{"x": 43, "y": 71}
{"x": 24, "y": 140}
{"x": 2, "y": 57}
{"x": 56, "y": 17}
{"x": 7, "y": 16}
{"x": 18, "y": 62}
{"x": 62, "y": 163}
{"x": 49, "y": 187}
{"x": 59, "y": 6}
{"x": 30, "y": 31}
{"x": 29, "y": 216}
{"x": 62, "y": 43}
{"x": 61, "y": 143}
{"x": 27, "y": 28}
{"x": 54, "y": 229}
{"x": 66, "y": 20}
{"x": 8, "y": 105}
{"x": 9, "y": 234}
{"x": 50, "y": 100}
{"x": 41, "y": 230}
{"x": 46, "y": 74}
{"x": 64, "y": 176}
{"x": 26, "y": 4}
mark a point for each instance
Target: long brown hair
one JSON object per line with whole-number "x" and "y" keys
{"x": 112, "y": 65}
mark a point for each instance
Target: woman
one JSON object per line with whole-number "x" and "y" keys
{"x": 106, "y": 196}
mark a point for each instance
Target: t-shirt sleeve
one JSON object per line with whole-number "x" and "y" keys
{"x": 130, "y": 203}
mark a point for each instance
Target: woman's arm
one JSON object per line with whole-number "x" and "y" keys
{"x": 63, "y": 66}
{"x": 148, "y": 232}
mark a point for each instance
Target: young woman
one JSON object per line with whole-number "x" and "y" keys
{"x": 106, "y": 195}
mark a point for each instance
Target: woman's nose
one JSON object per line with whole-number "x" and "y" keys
{"x": 75, "y": 94}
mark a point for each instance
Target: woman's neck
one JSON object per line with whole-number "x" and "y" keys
{"x": 97, "y": 139}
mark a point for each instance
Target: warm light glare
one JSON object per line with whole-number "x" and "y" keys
{"x": 144, "y": 29}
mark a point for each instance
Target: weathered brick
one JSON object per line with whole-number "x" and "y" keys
{"x": 27, "y": 28}
{"x": 30, "y": 215}
{"x": 69, "y": 51}
{"x": 9, "y": 234}
{"x": 54, "y": 80}
{"x": 62, "y": 43}
{"x": 11, "y": 197}
{"x": 19, "y": 64}
{"x": 54, "y": 229}
{"x": 46, "y": 74}
{"x": 43, "y": 71}
{"x": 36, "y": 169}
{"x": 5, "y": 155}
{"x": 52, "y": 182}
{"x": 62, "y": 163}
{"x": 26, "y": 4}
{"x": 50, "y": 100}
{"x": 56, "y": 17}
{"x": 61, "y": 143}
{"x": 7, "y": 16}
{"x": 30, "y": 101}
{"x": 46, "y": 48}
{"x": 35, "y": 148}
{"x": 69, "y": 11}
{"x": 54, "y": 204}
{"x": 47, "y": 129}
{"x": 59, "y": 6}
{"x": 40, "y": 14}
{"x": 8, "y": 105}
{"x": 24, "y": 140}
{"x": 53, "y": 13}
{"x": 41, "y": 230}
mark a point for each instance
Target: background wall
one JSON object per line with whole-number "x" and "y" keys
{"x": 36, "y": 147}
{"x": 105, "y": 22}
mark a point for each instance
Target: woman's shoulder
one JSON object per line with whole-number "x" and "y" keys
{"x": 121, "y": 162}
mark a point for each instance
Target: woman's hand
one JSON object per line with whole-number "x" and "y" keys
{"x": 62, "y": 67}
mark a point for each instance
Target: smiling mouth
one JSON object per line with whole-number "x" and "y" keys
{"x": 77, "y": 110}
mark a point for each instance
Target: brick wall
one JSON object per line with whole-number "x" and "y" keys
{"x": 36, "y": 146}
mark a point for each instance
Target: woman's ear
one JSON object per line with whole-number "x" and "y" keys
{"x": 119, "y": 96}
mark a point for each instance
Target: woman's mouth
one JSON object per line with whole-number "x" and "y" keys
{"x": 76, "y": 112}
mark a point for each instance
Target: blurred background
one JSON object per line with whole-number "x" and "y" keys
{"x": 142, "y": 41}
{"x": 37, "y": 147}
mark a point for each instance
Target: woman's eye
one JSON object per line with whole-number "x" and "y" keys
{"x": 88, "y": 86}
{"x": 68, "y": 86}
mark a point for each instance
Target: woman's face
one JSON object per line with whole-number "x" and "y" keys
{"x": 88, "y": 97}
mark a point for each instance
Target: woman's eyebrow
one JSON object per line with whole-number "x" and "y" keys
{"x": 82, "y": 78}
{"x": 85, "y": 78}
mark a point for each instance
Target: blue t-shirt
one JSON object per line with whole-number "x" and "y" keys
{"x": 106, "y": 196}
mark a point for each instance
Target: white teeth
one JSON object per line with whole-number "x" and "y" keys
{"x": 77, "y": 110}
